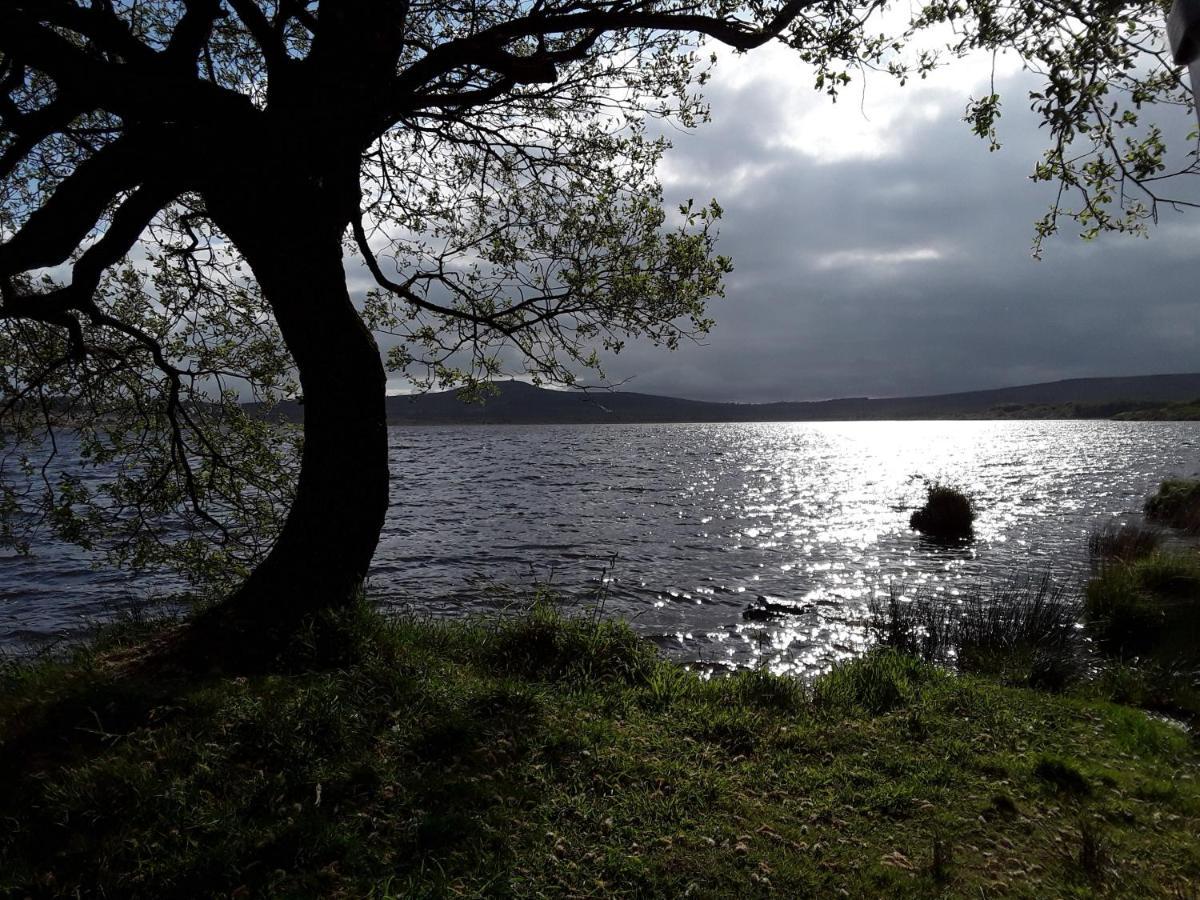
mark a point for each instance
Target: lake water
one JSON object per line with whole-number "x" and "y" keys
{"x": 682, "y": 527}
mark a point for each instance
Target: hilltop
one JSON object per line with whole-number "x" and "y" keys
{"x": 515, "y": 402}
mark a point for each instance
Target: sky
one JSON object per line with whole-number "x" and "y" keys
{"x": 880, "y": 249}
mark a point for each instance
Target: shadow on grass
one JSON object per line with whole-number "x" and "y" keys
{"x": 125, "y": 769}
{"x": 541, "y": 755}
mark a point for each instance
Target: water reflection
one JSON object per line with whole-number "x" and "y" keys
{"x": 706, "y": 519}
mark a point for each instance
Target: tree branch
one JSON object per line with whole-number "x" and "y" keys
{"x": 259, "y": 26}
{"x": 486, "y": 49}
{"x": 97, "y": 22}
{"x": 193, "y": 31}
{"x": 405, "y": 290}
{"x": 53, "y": 232}
{"x": 140, "y": 88}
{"x": 33, "y": 128}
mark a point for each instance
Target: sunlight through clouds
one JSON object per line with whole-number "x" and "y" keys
{"x": 825, "y": 202}
{"x": 859, "y": 258}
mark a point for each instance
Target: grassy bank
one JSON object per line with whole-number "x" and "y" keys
{"x": 542, "y": 756}
{"x": 1177, "y": 503}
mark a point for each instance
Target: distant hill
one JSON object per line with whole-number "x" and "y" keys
{"x": 1148, "y": 396}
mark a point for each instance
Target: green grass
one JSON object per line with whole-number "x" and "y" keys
{"x": 1148, "y": 606}
{"x": 1145, "y": 615}
{"x": 1177, "y": 503}
{"x": 545, "y": 756}
{"x": 1161, "y": 685}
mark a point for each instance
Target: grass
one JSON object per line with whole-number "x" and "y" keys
{"x": 1124, "y": 542}
{"x": 1021, "y": 630}
{"x": 1145, "y": 616}
{"x": 1177, "y": 503}
{"x": 1149, "y": 605}
{"x": 548, "y": 756}
{"x": 948, "y": 514}
{"x": 1164, "y": 686}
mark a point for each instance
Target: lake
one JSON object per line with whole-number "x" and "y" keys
{"x": 680, "y": 528}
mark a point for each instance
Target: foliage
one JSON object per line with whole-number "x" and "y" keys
{"x": 1185, "y": 411}
{"x": 1108, "y": 154}
{"x": 1176, "y": 503}
{"x": 152, "y": 466}
{"x": 427, "y": 767}
{"x": 948, "y": 514}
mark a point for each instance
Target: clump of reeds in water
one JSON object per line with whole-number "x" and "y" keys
{"x": 948, "y": 514}
{"x": 1022, "y": 630}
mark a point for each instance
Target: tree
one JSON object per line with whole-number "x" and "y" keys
{"x": 182, "y": 183}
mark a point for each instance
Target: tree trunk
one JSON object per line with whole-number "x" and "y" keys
{"x": 293, "y": 244}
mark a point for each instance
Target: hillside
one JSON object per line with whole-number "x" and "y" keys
{"x": 1150, "y": 396}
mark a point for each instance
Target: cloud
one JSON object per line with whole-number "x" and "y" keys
{"x": 876, "y": 259}
{"x": 881, "y": 249}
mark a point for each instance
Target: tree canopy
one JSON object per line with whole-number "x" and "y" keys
{"x": 183, "y": 184}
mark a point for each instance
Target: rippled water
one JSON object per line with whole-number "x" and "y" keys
{"x": 683, "y": 526}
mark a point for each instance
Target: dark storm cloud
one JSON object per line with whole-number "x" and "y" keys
{"x": 907, "y": 268}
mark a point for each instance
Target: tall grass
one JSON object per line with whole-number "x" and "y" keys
{"x": 881, "y": 681}
{"x": 1022, "y": 629}
{"x": 1125, "y": 542}
{"x": 922, "y": 626}
{"x": 540, "y": 754}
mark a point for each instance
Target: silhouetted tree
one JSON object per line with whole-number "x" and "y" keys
{"x": 182, "y": 182}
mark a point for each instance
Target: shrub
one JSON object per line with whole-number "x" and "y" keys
{"x": 1177, "y": 503}
{"x": 1124, "y": 542}
{"x": 948, "y": 514}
